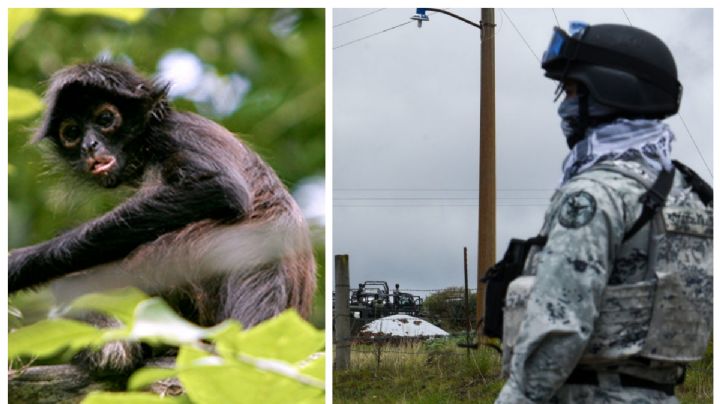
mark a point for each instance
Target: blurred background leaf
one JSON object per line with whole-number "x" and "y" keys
{"x": 20, "y": 18}
{"x": 258, "y": 72}
{"x": 23, "y": 103}
{"x": 130, "y": 15}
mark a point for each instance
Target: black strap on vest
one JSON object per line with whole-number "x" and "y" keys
{"x": 652, "y": 200}
{"x": 655, "y": 197}
{"x": 700, "y": 187}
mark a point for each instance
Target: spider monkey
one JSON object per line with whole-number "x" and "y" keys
{"x": 210, "y": 227}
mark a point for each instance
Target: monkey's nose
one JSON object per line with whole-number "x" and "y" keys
{"x": 89, "y": 146}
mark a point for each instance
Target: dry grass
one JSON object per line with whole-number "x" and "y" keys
{"x": 440, "y": 372}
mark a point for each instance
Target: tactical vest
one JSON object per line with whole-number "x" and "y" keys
{"x": 665, "y": 317}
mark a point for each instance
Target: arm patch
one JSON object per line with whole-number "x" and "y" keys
{"x": 577, "y": 210}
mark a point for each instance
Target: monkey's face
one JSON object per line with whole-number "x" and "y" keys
{"x": 98, "y": 117}
{"x": 96, "y": 136}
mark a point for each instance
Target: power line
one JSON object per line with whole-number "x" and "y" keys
{"x": 696, "y": 145}
{"x": 373, "y": 34}
{"x": 521, "y": 35}
{"x": 358, "y": 18}
{"x": 379, "y": 32}
{"x": 626, "y": 16}
{"x": 375, "y": 198}
{"x": 556, "y": 19}
{"x": 441, "y": 189}
{"x": 692, "y": 138}
{"x": 438, "y": 205}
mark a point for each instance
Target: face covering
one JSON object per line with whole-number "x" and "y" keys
{"x": 569, "y": 112}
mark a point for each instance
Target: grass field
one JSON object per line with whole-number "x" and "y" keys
{"x": 440, "y": 372}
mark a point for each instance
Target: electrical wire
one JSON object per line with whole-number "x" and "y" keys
{"x": 432, "y": 198}
{"x": 444, "y": 205}
{"x": 626, "y": 16}
{"x": 556, "y": 18}
{"x": 392, "y": 28}
{"x": 358, "y": 18}
{"x": 373, "y": 34}
{"x": 440, "y": 189}
{"x": 521, "y": 35}
{"x": 696, "y": 145}
{"x": 687, "y": 129}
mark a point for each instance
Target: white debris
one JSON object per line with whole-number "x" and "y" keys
{"x": 402, "y": 325}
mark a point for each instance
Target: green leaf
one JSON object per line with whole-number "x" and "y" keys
{"x": 23, "y": 103}
{"x": 226, "y": 329}
{"x": 156, "y": 322}
{"x": 240, "y": 383}
{"x": 286, "y": 337}
{"x": 147, "y": 376}
{"x": 315, "y": 366}
{"x": 130, "y": 15}
{"x": 120, "y": 303}
{"x": 190, "y": 356}
{"x": 17, "y": 18}
{"x": 47, "y": 337}
{"x": 97, "y": 397}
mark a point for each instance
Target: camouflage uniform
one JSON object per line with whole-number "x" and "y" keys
{"x": 585, "y": 252}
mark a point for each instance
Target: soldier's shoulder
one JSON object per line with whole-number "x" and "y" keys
{"x": 609, "y": 183}
{"x": 617, "y": 177}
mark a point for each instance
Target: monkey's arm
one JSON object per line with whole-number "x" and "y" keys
{"x": 114, "y": 235}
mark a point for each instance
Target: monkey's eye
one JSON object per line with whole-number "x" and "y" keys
{"x": 107, "y": 117}
{"x": 70, "y": 133}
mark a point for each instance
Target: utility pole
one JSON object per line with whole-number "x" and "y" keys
{"x": 486, "y": 198}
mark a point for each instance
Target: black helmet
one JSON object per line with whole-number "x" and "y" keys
{"x": 621, "y": 66}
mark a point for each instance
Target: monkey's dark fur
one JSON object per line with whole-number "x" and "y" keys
{"x": 211, "y": 228}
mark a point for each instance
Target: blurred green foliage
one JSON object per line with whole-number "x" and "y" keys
{"x": 280, "y": 52}
{"x": 214, "y": 365}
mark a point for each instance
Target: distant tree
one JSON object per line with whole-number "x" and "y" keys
{"x": 446, "y": 308}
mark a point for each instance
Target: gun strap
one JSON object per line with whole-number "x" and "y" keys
{"x": 700, "y": 187}
{"x": 652, "y": 200}
{"x": 539, "y": 241}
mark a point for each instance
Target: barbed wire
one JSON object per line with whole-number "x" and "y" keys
{"x": 431, "y": 353}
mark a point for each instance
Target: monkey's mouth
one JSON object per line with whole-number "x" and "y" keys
{"x": 101, "y": 165}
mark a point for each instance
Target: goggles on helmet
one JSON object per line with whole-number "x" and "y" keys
{"x": 565, "y": 50}
{"x": 562, "y": 45}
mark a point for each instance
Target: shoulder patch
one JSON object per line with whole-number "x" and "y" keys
{"x": 577, "y": 210}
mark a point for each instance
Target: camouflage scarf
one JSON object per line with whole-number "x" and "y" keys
{"x": 644, "y": 140}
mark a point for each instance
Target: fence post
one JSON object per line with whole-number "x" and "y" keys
{"x": 342, "y": 312}
{"x": 467, "y": 303}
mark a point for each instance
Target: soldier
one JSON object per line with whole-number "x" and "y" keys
{"x": 616, "y": 299}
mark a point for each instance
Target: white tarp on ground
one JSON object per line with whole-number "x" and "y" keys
{"x": 402, "y": 325}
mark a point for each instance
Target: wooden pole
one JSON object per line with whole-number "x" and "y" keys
{"x": 342, "y": 312}
{"x": 467, "y": 302}
{"x": 486, "y": 202}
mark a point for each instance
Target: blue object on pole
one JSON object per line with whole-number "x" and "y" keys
{"x": 420, "y": 16}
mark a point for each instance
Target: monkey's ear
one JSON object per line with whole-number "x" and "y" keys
{"x": 158, "y": 97}
{"x": 47, "y": 119}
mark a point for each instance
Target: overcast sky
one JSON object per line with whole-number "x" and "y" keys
{"x": 406, "y": 131}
